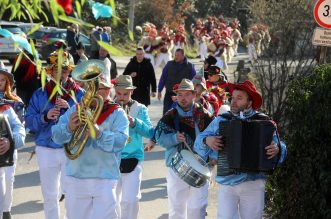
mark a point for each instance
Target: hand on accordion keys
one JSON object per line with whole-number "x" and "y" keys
{"x": 4, "y": 145}
{"x": 272, "y": 150}
{"x": 215, "y": 142}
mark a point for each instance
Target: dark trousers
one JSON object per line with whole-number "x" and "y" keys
{"x": 167, "y": 102}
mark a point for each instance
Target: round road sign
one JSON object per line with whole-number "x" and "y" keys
{"x": 322, "y": 13}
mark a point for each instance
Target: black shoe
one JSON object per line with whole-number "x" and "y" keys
{"x": 62, "y": 197}
{"x": 6, "y": 215}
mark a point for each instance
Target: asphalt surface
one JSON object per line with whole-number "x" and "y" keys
{"x": 28, "y": 201}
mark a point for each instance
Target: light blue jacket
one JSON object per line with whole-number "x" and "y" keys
{"x": 101, "y": 156}
{"x": 143, "y": 128}
{"x": 168, "y": 140}
{"x": 16, "y": 126}
{"x": 34, "y": 117}
{"x": 204, "y": 151}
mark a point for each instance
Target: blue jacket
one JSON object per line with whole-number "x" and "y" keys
{"x": 34, "y": 117}
{"x": 101, "y": 157}
{"x": 204, "y": 151}
{"x": 16, "y": 126}
{"x": 168, "y": 139}
{"x": 143, "y": 128}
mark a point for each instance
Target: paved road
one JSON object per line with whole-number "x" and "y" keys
{"x": 28, "y": 202}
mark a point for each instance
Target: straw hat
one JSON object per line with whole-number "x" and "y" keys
{"x": 124, "y": 82}
{"x": 186, "y": 85}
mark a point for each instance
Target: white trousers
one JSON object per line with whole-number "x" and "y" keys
{"x": 2, "y": 189}
{"x": 203, "y": 51}
{"x": 151, "y": 57}
{"x": 52, "y": 171}
{"x": 128, "y": 194}
{"x": 90, "y": 198}
{"x": 9, "y": 180}
{"x": 162, "y": 57}
{"x": 247, "y": 197}
{"x": 185, "y": 202}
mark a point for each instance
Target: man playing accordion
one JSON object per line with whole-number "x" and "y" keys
{"x": 240, "y": 190}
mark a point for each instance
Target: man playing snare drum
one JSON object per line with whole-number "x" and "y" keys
{"x": 177, "y": 128}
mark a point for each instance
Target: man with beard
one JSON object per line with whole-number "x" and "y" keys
{"x": 179, "y": 127}
{"x": 243, "y": 191}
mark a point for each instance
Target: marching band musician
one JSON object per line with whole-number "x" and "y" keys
{"x": 240, "y": 191}
{"x": 165, "y": 46}
{"x": 181, "y": 125}
{"x": 92, "y": 176}
{"x": 9, "y": 102}
{"x": 179, "y": 39}
{"x": 132, "y": 157}
{"x": 43, "y": 113}
{"x": 217, "y": 84}
{"x": 150, "y": 43}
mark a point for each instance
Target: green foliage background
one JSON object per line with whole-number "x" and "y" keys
{"x": 302, "y": 188}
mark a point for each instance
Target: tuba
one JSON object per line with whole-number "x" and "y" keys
{"x": 87, "y": 72}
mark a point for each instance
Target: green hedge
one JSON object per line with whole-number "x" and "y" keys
{"x": 302, "y": 187}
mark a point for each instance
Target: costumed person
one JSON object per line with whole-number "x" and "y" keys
{"x": 172, "y": 74}
{"x": 235, "y": 35}
{"x": 177, "y": 130}
{"x": 150, "y": 43}
{"x": 143, "y": 77}
{"x": 42, "y": 113}
{"x": 240, "y": 190}
{"x": 252, "y": 54}
{"x": 200, "y": 39}
{"x": 164, "y": 48}
{"x": 132, "y": 156}
{"x": 257, "y": 37}
{"x": 92, "y": 175}
{"x": 179, "y": 39}
{"x": 207, "y": 99}
{"x": 209, "y": 61}
{"x": 12, "y": 107}
{"x": 226, "y": 43}
{"x": 217, "y": 84}
{"x": 26, "y": 74}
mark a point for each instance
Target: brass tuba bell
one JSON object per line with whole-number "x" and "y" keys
{"x": 89, "y": 73}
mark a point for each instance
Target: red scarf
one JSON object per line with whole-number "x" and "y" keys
{"x": 70, "y": 85}
{"x": 4, "y": 107}
{"x": 108, "y": 108}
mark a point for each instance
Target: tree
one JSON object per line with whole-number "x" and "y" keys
{"x": 290, "y": 54}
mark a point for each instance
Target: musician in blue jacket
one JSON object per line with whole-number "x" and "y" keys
{"x": 43, "y": 113}
{"x": 179, "y": 127}
{"x": 93, "y": 175}
{"x": 132, "y": 157}
{"x": 240, "y": 191}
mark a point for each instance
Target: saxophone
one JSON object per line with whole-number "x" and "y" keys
{"x": 88, "y": 115}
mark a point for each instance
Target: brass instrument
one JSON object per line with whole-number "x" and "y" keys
{"x": 88, "y": 115}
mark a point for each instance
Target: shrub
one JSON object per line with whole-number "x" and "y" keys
{"x": 302, "y": 187}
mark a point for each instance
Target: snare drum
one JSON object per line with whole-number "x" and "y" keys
{"x": 190, "y": 168}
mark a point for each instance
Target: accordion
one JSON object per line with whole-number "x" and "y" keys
{"x": 244, "y": 151}
{"x": 5, "y": 131}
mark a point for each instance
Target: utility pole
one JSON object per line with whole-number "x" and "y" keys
{"x": 131, "y": 15}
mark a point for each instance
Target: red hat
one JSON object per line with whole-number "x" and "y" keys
{"x": 250, "y": 88}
